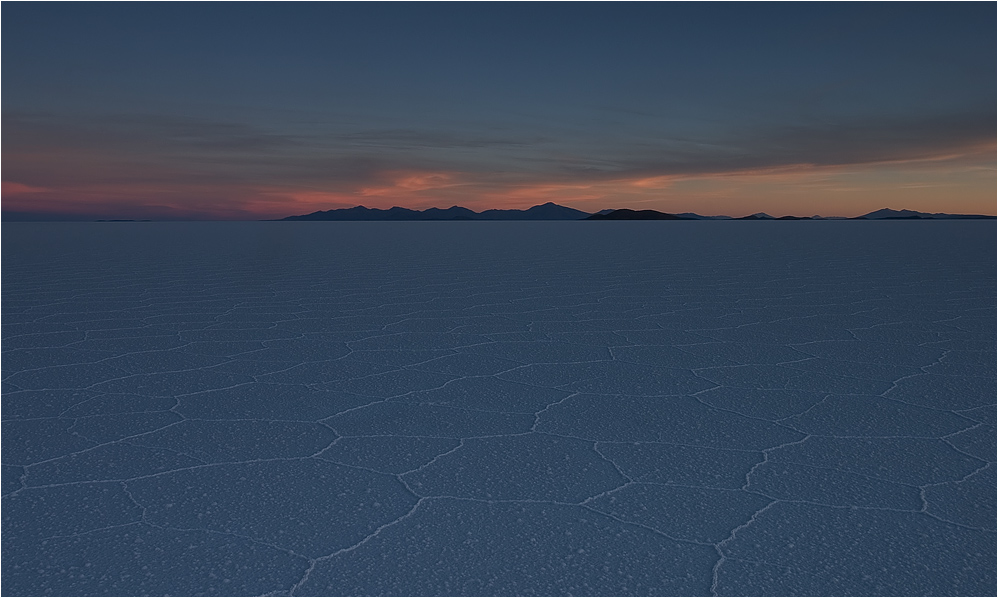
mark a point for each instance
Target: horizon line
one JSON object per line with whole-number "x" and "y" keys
{"x": 23, "y": 216}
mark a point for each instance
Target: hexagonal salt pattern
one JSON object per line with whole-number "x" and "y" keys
{"x": 499, "y": 408}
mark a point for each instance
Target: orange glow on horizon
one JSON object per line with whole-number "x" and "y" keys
{"x": 960, "y": 182}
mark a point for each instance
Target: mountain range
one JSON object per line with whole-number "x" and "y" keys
{"x": 548, "y": 211}
{"x": 889, "y": 214}
{"x": 553, "y": 211}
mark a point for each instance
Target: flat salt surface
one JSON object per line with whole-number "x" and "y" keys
{"x": 499, "y": 408}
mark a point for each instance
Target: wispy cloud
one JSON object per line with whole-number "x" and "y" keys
{"x": 156, "y": 164}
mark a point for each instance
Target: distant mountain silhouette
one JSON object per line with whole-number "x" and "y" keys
{"x": 548, "y": 211}
{"x": 625, "y": 214}
{"x": 765, "y": 216}
{"x": 392, "y": 214}
{"x": 693, "y": 216}
{"x": 889, "y": 214}
{"x": 553, "y": 211}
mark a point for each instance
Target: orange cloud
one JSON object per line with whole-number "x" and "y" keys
{"x": 657, "y": 182}
{"x": 411, "y": 182}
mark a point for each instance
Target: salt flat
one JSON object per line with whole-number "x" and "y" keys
{"x": 499, "y": 408}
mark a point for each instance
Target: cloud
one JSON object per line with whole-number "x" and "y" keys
{"x": 418, "y": 139}
{"x": 12, "y": 188}
{"x": 157, "y": 165}
{"x": 739, "y": 149}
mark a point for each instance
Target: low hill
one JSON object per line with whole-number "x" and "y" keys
{"x": 625, "y": 214}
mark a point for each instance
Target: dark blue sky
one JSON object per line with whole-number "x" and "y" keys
{"x": 233, "y": 110}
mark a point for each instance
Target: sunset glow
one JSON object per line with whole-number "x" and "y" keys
{"x": 599, "y": 128}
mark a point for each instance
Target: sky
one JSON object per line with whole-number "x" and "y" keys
{"x": 241, "y": 111}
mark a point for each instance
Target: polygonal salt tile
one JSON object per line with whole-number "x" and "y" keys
{"x": 268, "y": 402}
{"x": 526, "y": 352}
{"x": 224, "y": 348}
{"x": 696, "y": 514}
{"x": 790, "y": 481}
{"x": 913, "y": 461}
{"x": 137, "y": 559}
{"x": 593, "y": 339}
{"x": 467, "y": 364}
{"x": 675, "y": 420}
{"x": 514, "y": 549}
{"x": 390, "y": 454}
{"x": 324, "y": 372}
{"x": 310, "y": 507}
{"x": 527, "y": 467}
{"x": 19, "y": 360}
{"x": 865, "y": 415}
{"x": 171, "y": 384}
{"x": 38, "y": 513}
{"x": 403, "y": 419}
{"x": 119, "y": 403}
{"x": 35, "y": 440}
{"x": 665, "y": 356}
{"x": 245, "y": 440}
{"x": 42, "y": 339}
{"x": 32, "y": 404}
{"x": 969, "y": 502}
{"x": 745, "y": 353}
{"x": 944, "y": 392}
{"x": 151, "y": 362}
{"x": 489, "y": 394}
{"x": 869, "y": 371}
{"x": 666, "y": 337}
{"x": 74, "y": 376}
{"x": 872, "y": 352}
{"x": 771, "y": 404}
{"x": 399, "y": 358}
{"x": 681, "y": 464}
{"x": 864, "y": 551}
{"x": 117, "y": 461}
{"x": 100, "y": 429}
{"x": 11, "y": 478}
{"x": 987, "y": 414}
{"x": 417, "y": 341}
{"x": 391, "y": 384}
{"x": 978, "y": 441}
{"x": 786, "y": 377}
